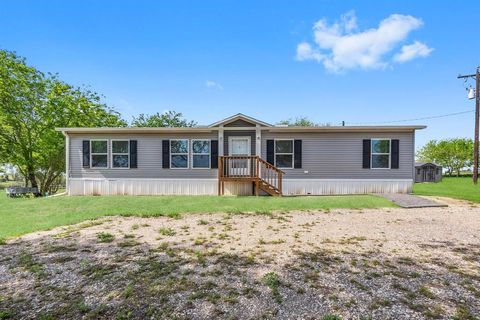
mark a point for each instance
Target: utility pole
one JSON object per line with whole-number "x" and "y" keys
{"x": 475, "y": 76}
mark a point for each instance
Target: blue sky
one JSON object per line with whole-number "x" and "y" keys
{"x": 211, "y": 59}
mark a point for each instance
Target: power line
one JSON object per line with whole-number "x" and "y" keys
{"x": 414, "y": 119}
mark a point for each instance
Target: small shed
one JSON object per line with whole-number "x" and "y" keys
{"x": 428, "y": 172}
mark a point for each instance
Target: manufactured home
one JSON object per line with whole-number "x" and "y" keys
{"x": 240, "y": 155}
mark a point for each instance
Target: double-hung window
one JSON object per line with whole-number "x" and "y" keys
{"x": 284, "y": 153}
{"x": 121, "y": 154}
{"x": 201, "y": 154}
{"x": 179, "y": 154}
{"x": 98, "y": 154}
{"x": 380, "y": 154}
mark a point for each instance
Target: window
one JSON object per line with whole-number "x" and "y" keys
{"x": 201, "y": 154}
{"x": 179, "y": 154}
{"x": 98, "y": 154}
{"x": 121, "y": 154}
{"x": 380, "y": 154}
{"x": 284, "y": 153}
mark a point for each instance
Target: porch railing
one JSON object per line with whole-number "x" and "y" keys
{"x": 250, "y": 168}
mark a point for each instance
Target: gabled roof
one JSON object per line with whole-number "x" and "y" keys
{"x": 421, "y": 164}
{"x": 240, "y": 116}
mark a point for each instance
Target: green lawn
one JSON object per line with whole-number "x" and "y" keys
{"x": 459, "y": 188}
{"x": 24, "y": 215}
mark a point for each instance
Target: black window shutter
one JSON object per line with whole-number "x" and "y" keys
{"x": 86, "y": 153}
{"x": 297, "y": 154}
{"x": 133, "y": 154}
{"x": 271, "y": 152}
{"x": 395, "y": 154}
{"x": 367, "y": 145}
{"x": 166, "y": 154}
{"x": 213, "y": 154}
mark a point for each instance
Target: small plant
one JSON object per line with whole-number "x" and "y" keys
{"x": 28, "y": 263}
{"x": 135, "y": 226}
{"x": 105, "y": 237}
{"x": 167, "y": 232}
{"x": 202, "y": 222}
{"x": 426, "y": 292}
{"x": 272, "y": 280}
{"x": 82, "y": 306}
{"x": 5, "y": 315}
{"x": 128, "y": 291}
{"x": 128, "y": 243}
{"x": 2, "y": 243}
{"x": 331, "y": 317}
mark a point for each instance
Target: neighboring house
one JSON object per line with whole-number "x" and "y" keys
{"x": 240, "y": 155}
{"x": 428, "y": 172}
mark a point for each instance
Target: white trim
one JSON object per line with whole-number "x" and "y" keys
{"x": 220, "y": 141}
{"x": 239, "y": 116}
{"x": 283, "y": 153}
{"x": 91, "y": 154}
{"x": 119, "y": 154}
{"x": 179, "y": 154}
{"x": 258, "y": 141}
{"x": 67, "y": 161}
{"x": 230, "y": 138}
{"x": 202, "y": 154}
{"x": 380, "y": 154}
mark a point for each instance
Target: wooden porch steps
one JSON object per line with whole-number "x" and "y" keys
{"x": 268, "y": 188}
{"x": 242, "y": 169}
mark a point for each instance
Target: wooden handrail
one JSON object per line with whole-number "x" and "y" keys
{"x": 251, "y": 168}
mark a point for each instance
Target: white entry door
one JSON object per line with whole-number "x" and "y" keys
{"x": 239, "y": 146}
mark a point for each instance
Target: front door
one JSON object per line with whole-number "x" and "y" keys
{"x": 239, "y": 146}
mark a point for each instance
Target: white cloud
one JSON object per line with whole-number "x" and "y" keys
{"x": 341, "y": 46}
{"x": 213, "y": 84}
{"x": 412, "y": 51}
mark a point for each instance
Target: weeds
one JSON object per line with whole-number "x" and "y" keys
{"x": 105, "y": 237}
{"x": 169, "y": 232}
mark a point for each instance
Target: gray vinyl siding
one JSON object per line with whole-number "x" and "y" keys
{"x": 325, "y": 156}
{"x": 149, "y": 157}
{"x": 240, "y": 123}
{"x": 244, "y": 133}
{"x": 339, "y": 155}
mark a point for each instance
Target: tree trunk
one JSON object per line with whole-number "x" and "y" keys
{"x": 33, "y": 180}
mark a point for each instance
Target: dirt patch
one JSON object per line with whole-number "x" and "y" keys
{"x": 379, "y": 264}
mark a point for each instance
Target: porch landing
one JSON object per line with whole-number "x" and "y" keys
{"x": 411, "y": 201}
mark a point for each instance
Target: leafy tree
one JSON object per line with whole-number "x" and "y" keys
{"x": 32, "y": 105}
{"x": 298, "y": 122}
{"x": 168, "y": 119}
{"x": 453, "y": 154}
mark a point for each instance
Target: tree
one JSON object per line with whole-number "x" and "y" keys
{"x": 298, "y": 122}
{"x": 453, "y": 154}
{"x": 32, "y": 105}
{"x": 168, "y": 119}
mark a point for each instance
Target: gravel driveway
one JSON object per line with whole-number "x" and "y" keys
{"x": 354, "y": 264}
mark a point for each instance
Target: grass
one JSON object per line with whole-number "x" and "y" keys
{"x": 452, "y": 187}
{"x": 23, "y": 215}
{"x": 105, "y": 237}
